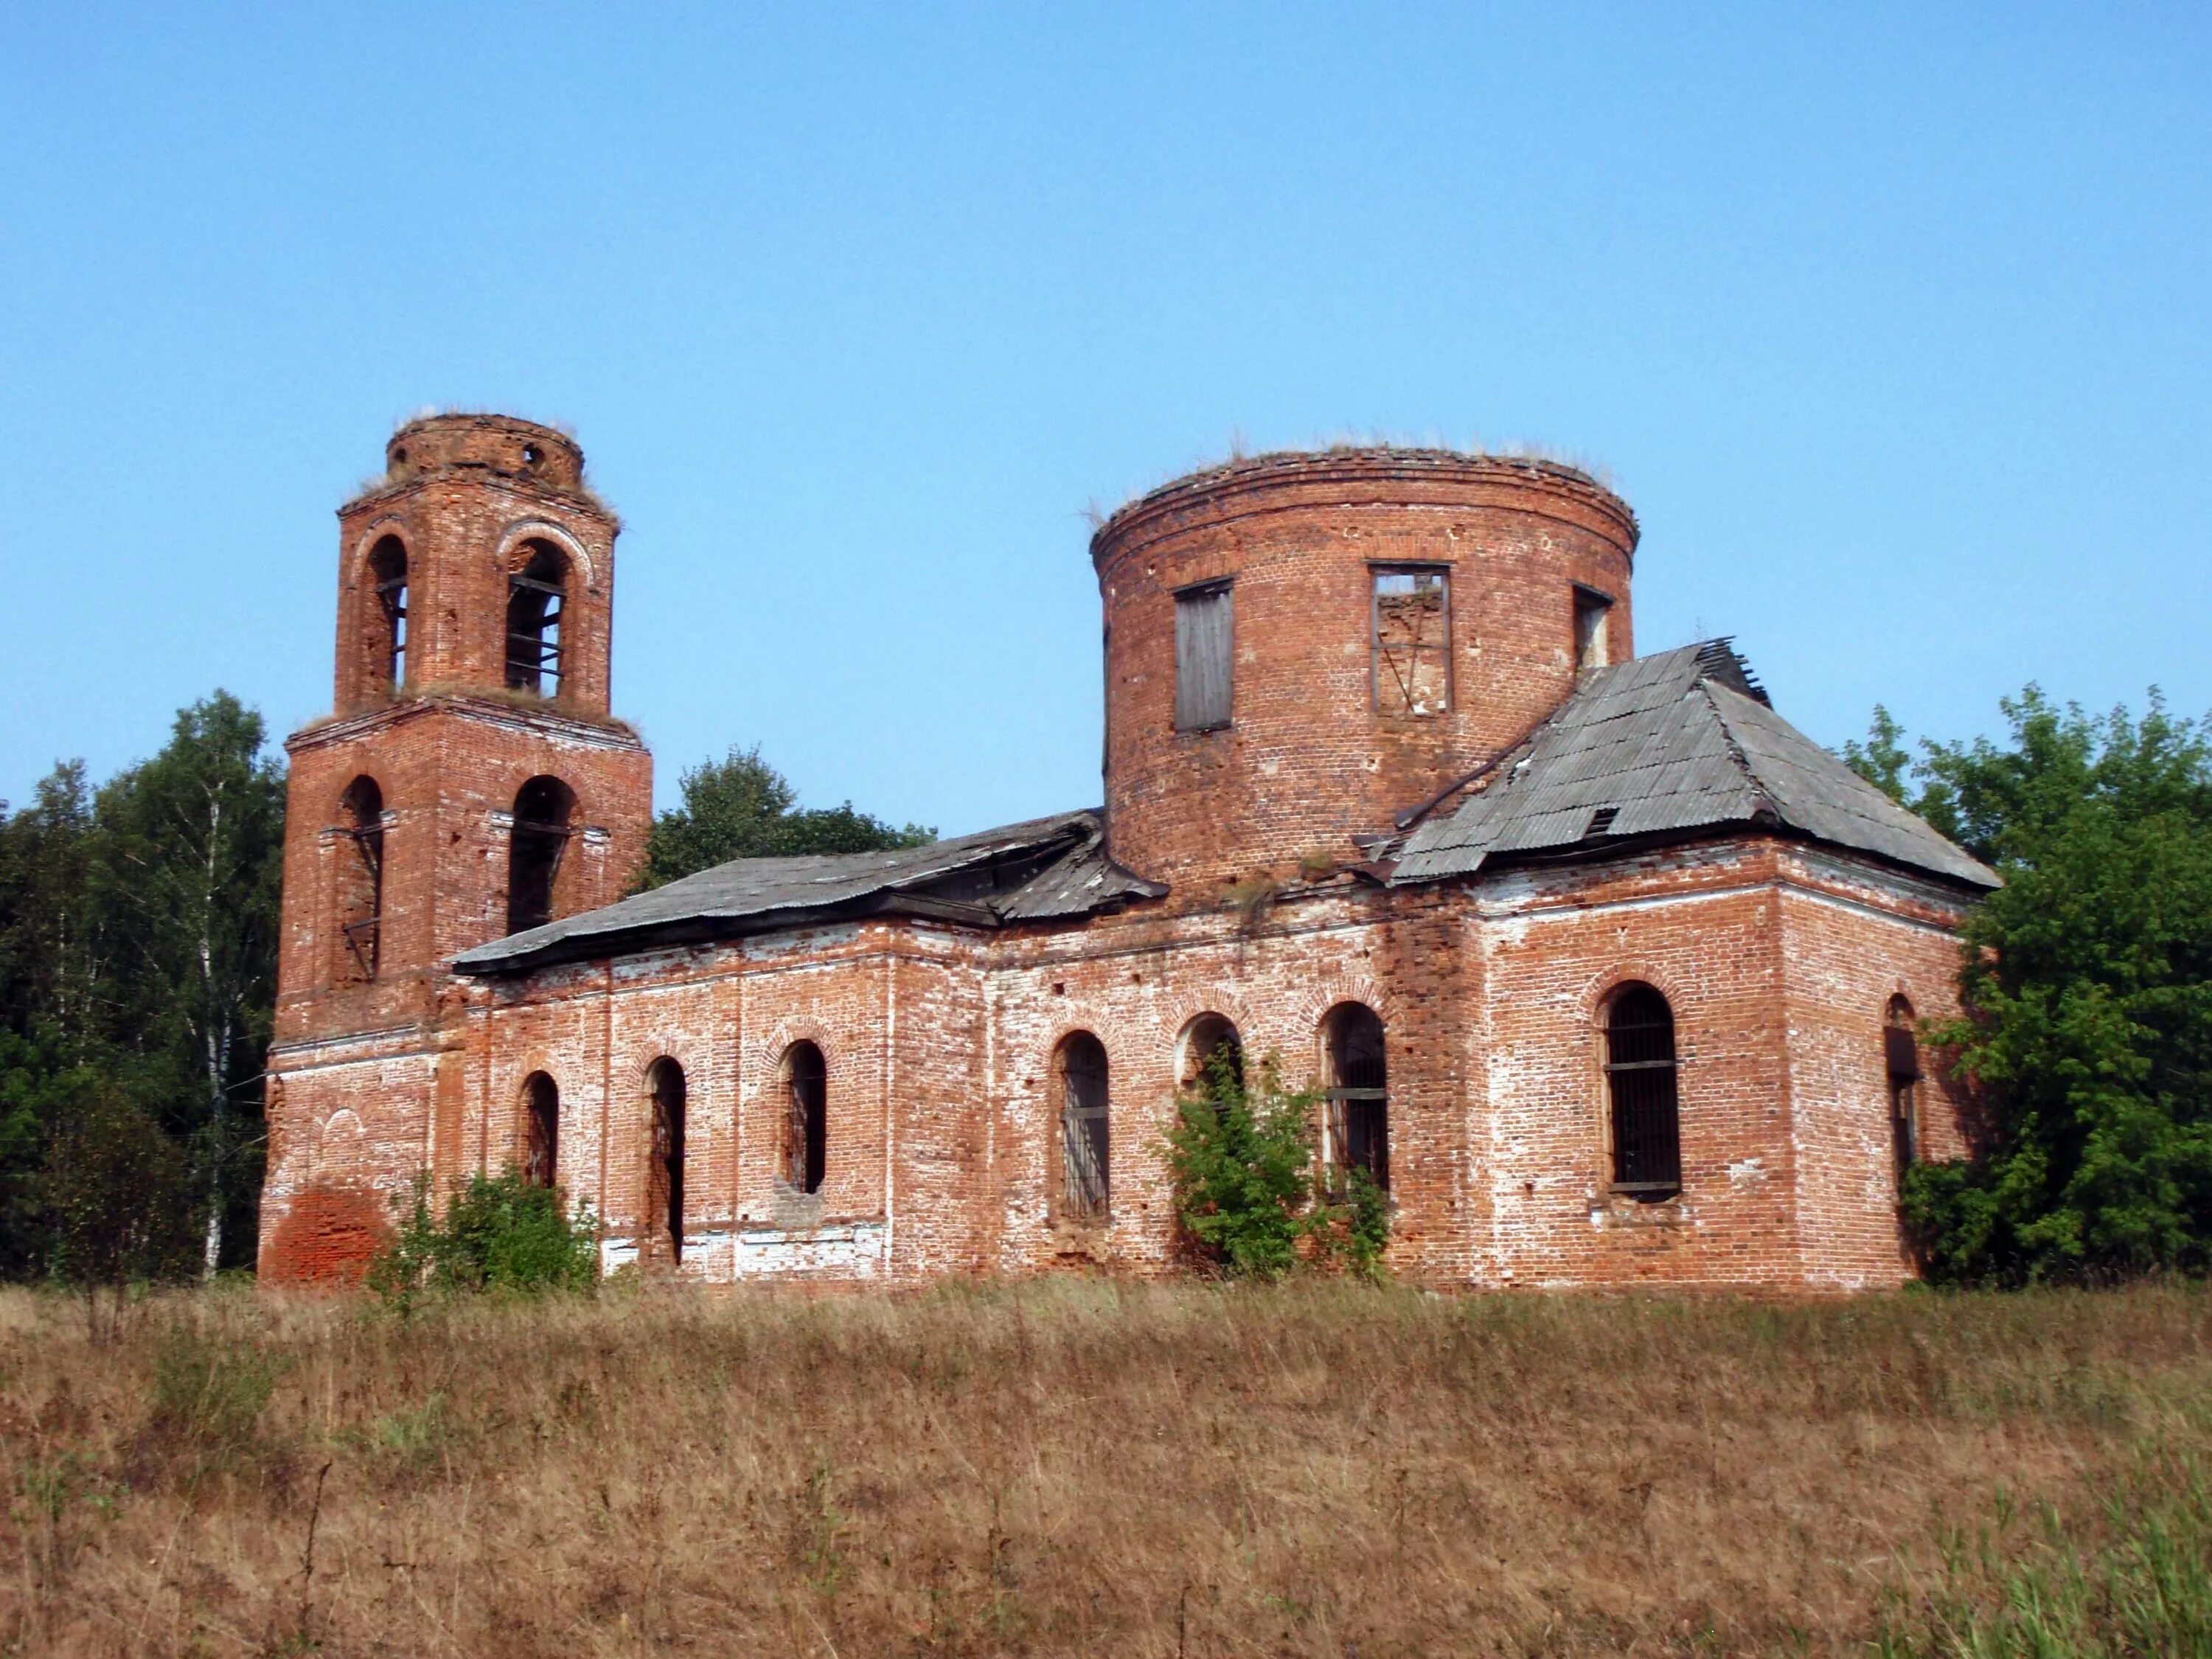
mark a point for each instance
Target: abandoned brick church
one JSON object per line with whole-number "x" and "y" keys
{"x": 1609, "y": 975}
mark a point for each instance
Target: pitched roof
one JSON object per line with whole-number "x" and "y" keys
{"x": 1683, "y": 740}
{"x": 1044, "y": 869}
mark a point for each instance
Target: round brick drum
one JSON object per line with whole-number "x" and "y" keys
{"x": 1300, "y": 645}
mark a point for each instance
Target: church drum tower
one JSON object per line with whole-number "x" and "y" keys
{"x": 469, "y": 782}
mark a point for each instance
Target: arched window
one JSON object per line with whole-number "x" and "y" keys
{"x": 1078, "y": 1070}
{"x": 387, "y": 645}
{"x": 664, "y": 1181}
{"x": 535, "y": 596}
{"x": 804, "y": 1153}
{"x": 1902, "y": 1057}
{"x": 361, "y": 879}
{"x": 541, "y": 1130}
{"x": 1358, "y": 1096}
{"x": 1640, "y": 1075}
{"x": 543, "y": 810}
{"x": 1207, "y": 1036}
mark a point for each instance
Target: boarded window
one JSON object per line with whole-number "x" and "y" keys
{"x": 1641, "y": 1078}
{"x": 543, "y": 809}
{"x": 804, "y": 1152}
{"x": 361, "y": 880}
{"x": 541, "y": 1130}
{"x": 664, "y": 1184}
{"x": 535, "y": 597}
{"x": 1592, "y": 609}
{"x": 1901, "y": 1059}
{"x": 1212, "y": 1052}
{"x": 1203, "y": 677}
{"x": 1412, "y": 625}
{"x": 1359, "y": 1126}
{"x": 1080, "y": 1072}
{"x": 387, "y": 648}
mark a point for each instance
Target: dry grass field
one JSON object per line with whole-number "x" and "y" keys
{"x": 1084, "y": 1468}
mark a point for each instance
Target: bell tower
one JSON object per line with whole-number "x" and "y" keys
{"x": 469, "y": 782}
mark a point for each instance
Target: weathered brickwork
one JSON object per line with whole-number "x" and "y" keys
{"x": 1309, "y": 759}
{"x": 1778, "y": 958}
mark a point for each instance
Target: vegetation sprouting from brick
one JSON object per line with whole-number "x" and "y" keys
{"x": 1080, "y": 1466}
{"x": 741, "y": 807}
{"x": 1249, "y": 1194}
{"x": 2086, "y": 987}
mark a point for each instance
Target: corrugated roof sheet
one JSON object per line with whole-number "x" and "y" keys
{"x": 1677, "y": 741}
{"x": 1041, "y": 870}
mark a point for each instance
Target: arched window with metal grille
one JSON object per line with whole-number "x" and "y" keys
{"x": 1642, "y": 1079}
{"x": 387, "y": 625}
{"x": 804, "y": 1152}
{"x": 537, "y": 594}
{"x": 544, "y": 810}
{"x": 1357, "y": 1131}
{"x": 1079, "y": 1069}
{"x": 361, "y": 880}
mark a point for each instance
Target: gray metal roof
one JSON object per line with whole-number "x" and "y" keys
{"x": 1043, "y": 870}
{"x": 1683, "y": 740}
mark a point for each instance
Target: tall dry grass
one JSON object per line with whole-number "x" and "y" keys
{"x": 1081, "y": 1468}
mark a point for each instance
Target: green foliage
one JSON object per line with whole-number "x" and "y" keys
{"x": 139, "y": 942}
{"x": 2088, "y": 986}
{"x": 498, "y": 1233}
{"x": 741, "y": 807}
{"x": 1366, "y": 1227}
{"x": 113, "y": 1188}
{"x": 1242, "y": 1161}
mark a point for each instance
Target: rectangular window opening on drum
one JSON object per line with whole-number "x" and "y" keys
{"x": 1204, "y": 672}
{"x": 1410, "y": 618}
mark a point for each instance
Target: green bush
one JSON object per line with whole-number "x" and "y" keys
{"x": 498, "y": 1233}
{"x": 1242, "y": 1161}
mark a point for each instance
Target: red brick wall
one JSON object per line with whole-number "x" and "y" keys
{"x": 372, "y": 1075}
{"x": 1308, "y": 762}
{"x": 938, "y": 1043}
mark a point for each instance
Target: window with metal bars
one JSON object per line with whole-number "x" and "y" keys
{"x": 361, "y": 879}
{"x": 1640, "y": 1076}
{"x": 1901, "y": 1058}
{"x": 1205, "y": 678}
{"x": 541, "y": 1130}
{"x": 387, "y": 569}
{"x": 1359, "y": 1098}
{"x": 543, "y": 809}
{"x": 805, "y": 1151}
{"x": 535, "y": 597}
{"x": 1410, "y": 619}
{"x": 1079, "y": 1080}
{"x": 663, "y": 1202}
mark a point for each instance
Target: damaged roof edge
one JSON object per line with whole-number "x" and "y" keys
{"x": 1681, "y": 743}
{"x": 1054, "y": 867}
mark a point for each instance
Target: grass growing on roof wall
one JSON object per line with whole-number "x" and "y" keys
{"x": 1077, "y": 1466}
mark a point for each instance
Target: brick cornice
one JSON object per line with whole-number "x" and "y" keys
{"x": 488, "y": 711}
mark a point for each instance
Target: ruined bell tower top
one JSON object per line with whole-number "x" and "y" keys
{"x": 496, "y": 444}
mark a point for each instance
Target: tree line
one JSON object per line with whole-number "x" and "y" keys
{"x": 138, "y": 929}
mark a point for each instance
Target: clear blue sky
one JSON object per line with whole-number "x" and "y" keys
{"x": 1892, "y": 323}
